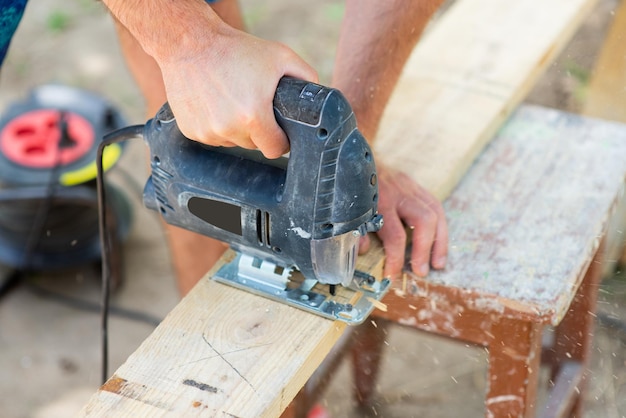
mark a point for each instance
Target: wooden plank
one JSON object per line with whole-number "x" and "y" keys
{"x": 219, "y": 353}
{"x": 464, "y": 79}
{"x": 223, "y": 352}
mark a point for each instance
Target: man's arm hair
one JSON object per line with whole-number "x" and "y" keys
{"x": 376, "y": 40}
{"x": 165, "y": 28}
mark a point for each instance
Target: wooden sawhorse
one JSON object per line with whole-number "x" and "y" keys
{"x": 526, "y": 229}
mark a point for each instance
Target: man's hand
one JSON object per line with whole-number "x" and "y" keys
{"x": 404, "y": 203}
{"x": 219, "y": 81}
{"x": 230, "y": 104}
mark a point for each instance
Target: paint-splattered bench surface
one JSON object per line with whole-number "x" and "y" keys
{"x": 529, "y": 215}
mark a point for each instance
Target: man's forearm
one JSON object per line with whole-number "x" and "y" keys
{"x": 165, "y": 28}
{"x": 375, "y": 41}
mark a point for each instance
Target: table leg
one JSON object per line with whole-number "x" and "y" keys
{"x": 367, "y": 352}
{"x": 574, "y": 335}
{"x": 514, "y": 361}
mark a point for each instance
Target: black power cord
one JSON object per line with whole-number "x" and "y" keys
{"x": 39, "y": 222}
{"x": 117, "y": 136}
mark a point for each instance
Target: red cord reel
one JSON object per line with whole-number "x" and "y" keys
{"x": 32, "y": 139}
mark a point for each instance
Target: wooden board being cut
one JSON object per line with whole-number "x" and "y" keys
{"x": 220, "y": 352}
{"x": 224, "y": 352}
{"x": 464, "y": 79}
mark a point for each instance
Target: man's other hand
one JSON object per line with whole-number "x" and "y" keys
{"x": 405, "y": 204}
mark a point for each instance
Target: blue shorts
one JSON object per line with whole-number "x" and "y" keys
{"x": 11, "y": 12}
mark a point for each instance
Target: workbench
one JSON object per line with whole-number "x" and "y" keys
{"x": 223, "y": 352}
{"x": 527, "y": 226}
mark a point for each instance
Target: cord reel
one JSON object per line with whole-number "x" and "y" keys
{"x": 48, "y": 199}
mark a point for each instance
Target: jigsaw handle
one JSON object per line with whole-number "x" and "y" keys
{"x": 299, "y": 100}
{"x": 309, "y": 113}
{"x": 331, "y": 167}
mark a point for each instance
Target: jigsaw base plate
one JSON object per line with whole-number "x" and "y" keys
{"x": 351, "y": 304}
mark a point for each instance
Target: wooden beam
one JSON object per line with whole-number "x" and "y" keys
{"x": 220, "y": 352}
{"x": 224, "y": 352}
{"x": 463, "y": 80}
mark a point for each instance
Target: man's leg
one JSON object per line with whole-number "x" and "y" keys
{"x": 192, "y": 254}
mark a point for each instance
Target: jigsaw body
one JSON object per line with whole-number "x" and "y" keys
{"x": 306, "y": 211}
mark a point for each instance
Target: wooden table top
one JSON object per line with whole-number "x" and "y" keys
{"x": 529, "y": 215}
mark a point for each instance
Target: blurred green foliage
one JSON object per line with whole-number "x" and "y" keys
{"x": 58, "y": 21}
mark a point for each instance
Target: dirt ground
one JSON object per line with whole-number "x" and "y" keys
{"x": 49, "y": 350}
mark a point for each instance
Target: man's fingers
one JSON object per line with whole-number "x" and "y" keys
{"x": 298, "y": 68}
{"x": 248, "y": 144}
{"x": 265, "y": 132}
{"x": 268, "y": 137}
{"x": 440, "y": 246}
{"x": 394, "y": 240}
{"x": 404, "y": 203}
{"x": 422, "y": 221}
{"x": 439, "y": 250}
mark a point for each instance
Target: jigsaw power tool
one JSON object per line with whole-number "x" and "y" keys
{"x": 305, "y": 211}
